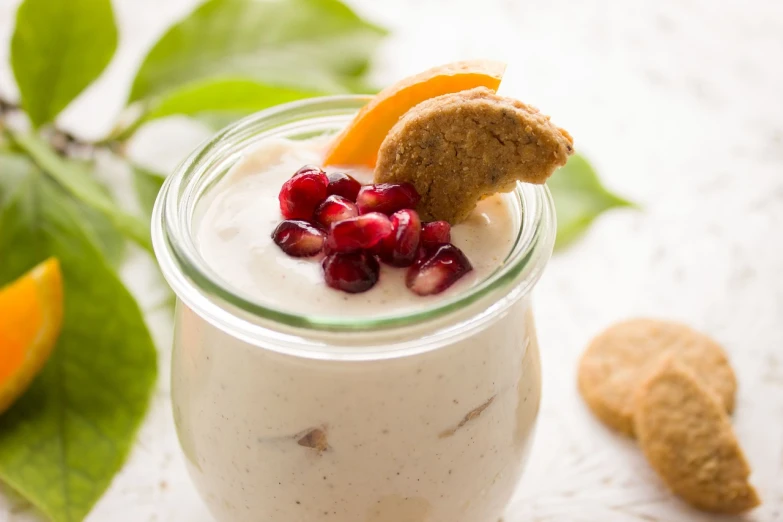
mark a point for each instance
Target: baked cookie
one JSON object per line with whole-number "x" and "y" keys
{"x": 458, "y": 148}
{"x": 686, "y": 436}
{"x": 625, "y": 354}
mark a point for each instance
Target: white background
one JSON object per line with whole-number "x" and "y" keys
{"x": 680, "y": 106}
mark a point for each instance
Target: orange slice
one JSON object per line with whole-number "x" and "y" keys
{"x": 358, "y": 143}
{"x": 31, "y": 315}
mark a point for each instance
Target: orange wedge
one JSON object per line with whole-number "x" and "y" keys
{"x": 358, "y": 143}
{"x": 31, "y": 315}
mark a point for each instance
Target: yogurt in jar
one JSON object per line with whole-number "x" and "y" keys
{"x": 436, "y": 434}
{"x": 234, "y": 237}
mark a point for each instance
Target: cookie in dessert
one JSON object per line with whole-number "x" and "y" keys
{"x": 458, "y": 148}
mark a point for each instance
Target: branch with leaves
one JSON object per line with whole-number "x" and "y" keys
{"x": 64, "y": 440}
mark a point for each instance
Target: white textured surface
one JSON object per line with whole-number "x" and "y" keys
{"x": 679, "y": 105}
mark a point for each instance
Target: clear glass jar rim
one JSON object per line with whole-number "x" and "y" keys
{"x": 185, "y": 270}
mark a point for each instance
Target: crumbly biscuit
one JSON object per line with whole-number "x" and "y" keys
{"x": 686, "y": 436}
{"x": 314, "y": 438}
{"x": 458, "y": 148}
{"x": 623, "y": 355}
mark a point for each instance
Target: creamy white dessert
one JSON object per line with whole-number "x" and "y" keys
{"x": 234, "y": 237}
{"x": 439, "y": 435}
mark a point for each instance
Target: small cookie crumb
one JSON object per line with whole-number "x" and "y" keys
{"x": 459, "y": 148}
{"x": 685, "y": 433}
{"x": 315, "y": 439}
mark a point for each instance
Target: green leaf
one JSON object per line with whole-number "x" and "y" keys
{"x": 238, "y": 96}
{"x": 57, "y": 49}
{"x": 107, "y": 237}
{"x": 78, "y": 181}
{"x": 217, "y": 102}
{"x": 147, "y": 184}
{"x": 579, "y": 199}
{"x": 318, "y": 45}
{"x": 66, "y": 437}
{"x": 13, "y": 168}
{"x": 218, "y": 120}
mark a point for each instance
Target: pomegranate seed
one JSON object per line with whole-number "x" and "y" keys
{"x": 437, "y": 270}
{"x": 401, "y": 246}
{"x": 358, "y": 233}
{"x": 334, "y": 209}
{"x": 351, "y": 272}
{"x": 302, "y": 193}
{"x": 298, "y": 238}
{"x": 435, "y": 233}
{"x": 310, "y": 169}
{"x": 341, "y": 184}
{"x": 385, "y": 247}
{"x": 387, "y": 198}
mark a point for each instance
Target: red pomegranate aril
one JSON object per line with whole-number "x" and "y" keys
{"x": 358, "y": 233}
{"x": 310, "y": 169}
{"x": 334, "y": 209}
{"x": 298, "y": 238}
{"x": 435, "y": 233}
{"x": 301, "y": 194}
{"x": 341, "y": 184}
{"x": 351, "y": 272}
{"x": 387, "y": 198}
{"x": 438, "y": 269}
{"x": 401, "y": 246}
{"x": 384, "y": 249}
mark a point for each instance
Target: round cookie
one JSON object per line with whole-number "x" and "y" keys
{"x": 685, "y": 434}
{"x": 458, "y": 148}
{"x": 625, "y": 354}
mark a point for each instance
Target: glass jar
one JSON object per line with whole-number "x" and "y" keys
{"x": 422, "y": 417}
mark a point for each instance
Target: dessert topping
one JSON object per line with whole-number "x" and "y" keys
{"x": 387, "y": 198}
{"x": 435, "y": 233}
{"x": 458, "y": 148}
{"x": 437, "y": 269}
{"x": 302, "y": 193}
{"x": 333, "y": 209}
{"x": 359, "y": 233}
{"x": 322, "y": 218}
{"x": 298, "y": 238}
{"x": 400, "y": 247}
{"x": 351, "y": 272}
{"x": 341, "y": 184}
